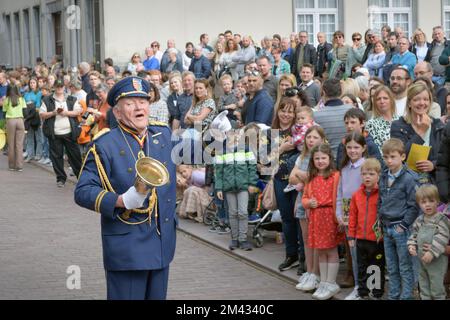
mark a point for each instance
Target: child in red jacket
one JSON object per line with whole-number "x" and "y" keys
{"x": 364, "y": 233}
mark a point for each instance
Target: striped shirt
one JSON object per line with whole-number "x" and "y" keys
{"x": 440, "y": 239}
{"x": 159, "y": 112}
{"x": 331, "y": 119}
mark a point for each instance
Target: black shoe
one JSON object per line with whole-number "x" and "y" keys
{"x": 301, "y": 268}
{"x": 246, "y": 246}
{"x": 234, "y": 244}
{"x": 289, "y": 263}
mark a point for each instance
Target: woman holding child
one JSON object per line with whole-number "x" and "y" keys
{"x": 284, "y": 120}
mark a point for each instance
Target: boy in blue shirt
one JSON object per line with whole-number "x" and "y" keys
{"x": 397, "y": 210}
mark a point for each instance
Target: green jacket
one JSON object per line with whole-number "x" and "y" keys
{"x": 443, "y": 59}
{"x": 235, "y": 171}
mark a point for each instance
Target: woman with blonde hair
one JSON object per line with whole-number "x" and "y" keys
{"x": 135, "y": 65}
{"x": 420, "y": 46}
{"x": 383, "y": 114}
{"x": 417, "y": 127}
{"x": 175, "y": 90}
{"x": 349, "y": 86}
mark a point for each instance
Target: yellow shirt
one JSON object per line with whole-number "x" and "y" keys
{"x": 14, "y": 112}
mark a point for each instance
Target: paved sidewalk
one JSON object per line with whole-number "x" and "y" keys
{"x": 267, "y": 258}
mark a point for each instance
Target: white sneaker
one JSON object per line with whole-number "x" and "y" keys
{"x": 353, "y": 295}
{"x": 289, "y": 188}
{"x": 47, "y": 161}
{"x": 302, "y": 280}
{"x": 320, "y": 289}
{"x": 25, "y": 154}
{"x": 42, "y": 161}
{"x": 311, "y": 283}
{"x": 331, "y": 289}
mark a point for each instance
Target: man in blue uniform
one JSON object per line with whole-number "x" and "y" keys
{"x": 138, "y": 231}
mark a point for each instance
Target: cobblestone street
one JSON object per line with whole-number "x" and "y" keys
{"x": 43, "y": 232}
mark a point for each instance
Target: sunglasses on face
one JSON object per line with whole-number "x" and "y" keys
{"x": 356, "y": 39}
{"x": 291, "y": 92}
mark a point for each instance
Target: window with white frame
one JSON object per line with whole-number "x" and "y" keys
{"x": 316, "y": 16}
{"x": 446, "y": 18}
{"x": 395, "y": 13}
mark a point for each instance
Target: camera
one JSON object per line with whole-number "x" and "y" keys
{"x": 291, "y": 92}
{"x": 85, "y": 115}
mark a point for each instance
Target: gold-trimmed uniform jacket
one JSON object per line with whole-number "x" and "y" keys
{"x": 108, "y": 171}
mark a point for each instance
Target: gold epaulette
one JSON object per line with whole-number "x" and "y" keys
{"x": 101, "y": 133}
{"x": 157, "y": 123}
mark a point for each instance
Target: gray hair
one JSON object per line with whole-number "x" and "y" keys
{"x": 187, "y": 73}
{"x": 172, "y": 50}
{"x": 84, "y": 66}
{"x": 198, "y": 48}
{"x": 363, "y": 83}
{"x": 102, "y": 87}
{"x": 76, "y": 84}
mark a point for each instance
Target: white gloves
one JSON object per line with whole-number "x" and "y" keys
{"x": 133, "y": 199}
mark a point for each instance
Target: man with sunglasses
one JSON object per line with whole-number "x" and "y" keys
{"x": 156, "y": 50}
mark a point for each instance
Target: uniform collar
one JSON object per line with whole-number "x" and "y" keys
{"x": 139, "y": 138}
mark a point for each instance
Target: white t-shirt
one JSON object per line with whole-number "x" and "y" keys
{"x": 400, "y": 105}
{"x": 62, "y": 123}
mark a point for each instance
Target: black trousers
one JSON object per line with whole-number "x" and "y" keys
{"x": 369, "y": 254}
{"x": 57, "y": 145}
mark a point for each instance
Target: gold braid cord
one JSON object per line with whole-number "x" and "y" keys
{"x": 152, "y": 204}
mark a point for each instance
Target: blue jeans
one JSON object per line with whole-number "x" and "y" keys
{"x": 291, "y": 229}
{"x": 34, "y": 143}
{"x": 45, "y": 145}
{"x": 222, "y": 209}
{"x": 399, "y": 263}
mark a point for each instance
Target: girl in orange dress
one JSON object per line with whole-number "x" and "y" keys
{"x": 324, "y": 234}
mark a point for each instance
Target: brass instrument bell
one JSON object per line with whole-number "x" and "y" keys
{"x": 150, "y": 173}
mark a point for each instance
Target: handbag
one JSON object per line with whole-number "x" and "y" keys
{"x": 269, "y": 201}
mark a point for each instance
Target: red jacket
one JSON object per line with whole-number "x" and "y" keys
{"x": 363, "y": 214}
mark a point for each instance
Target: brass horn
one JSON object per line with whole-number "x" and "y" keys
{"x": 150, "y": 173}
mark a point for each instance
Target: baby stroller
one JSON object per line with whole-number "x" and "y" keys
{"x": 265, "y": 223}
